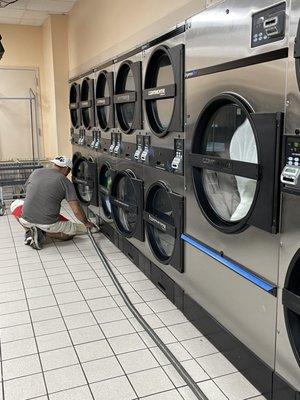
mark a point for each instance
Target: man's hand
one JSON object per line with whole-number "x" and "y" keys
{"x": 89, "y": 225}
{"x": 78, "y": 212}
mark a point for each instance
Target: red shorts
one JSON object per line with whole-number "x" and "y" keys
{"x": 17, "y": 212}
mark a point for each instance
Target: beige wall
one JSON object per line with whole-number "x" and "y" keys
{"x": 55, "y": 99}
{"x": 23, "y": 46}
{"x": 97, "y": 28}
{"x": 24, "y": 49}
{"x": 45, "y": 49}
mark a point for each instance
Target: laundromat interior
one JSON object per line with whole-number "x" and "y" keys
{"x": 149, "y": 200}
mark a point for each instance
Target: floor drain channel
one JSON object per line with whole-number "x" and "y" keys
{"x": 170, "y": 356}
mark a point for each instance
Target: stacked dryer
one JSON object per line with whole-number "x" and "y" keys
{"x": 104, "y": 144}
{"x": 287, "y": 364}
{"x": 236, "y": 54}
{"x": 84, "y": 173}
{"x": 163, "y": 101}
{"x": 126, "y": 193}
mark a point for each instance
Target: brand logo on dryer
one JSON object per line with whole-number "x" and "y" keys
{"x": 123, "y": 97}
{"x": 157, "y": 92}
{"x": 158, "y": 223}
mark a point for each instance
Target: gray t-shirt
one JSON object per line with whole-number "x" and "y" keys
{"x": 45, "y": 190}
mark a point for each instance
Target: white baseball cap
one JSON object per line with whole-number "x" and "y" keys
{"x": 62, "y": 161}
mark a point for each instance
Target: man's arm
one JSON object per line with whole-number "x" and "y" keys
{"x": 79, "y": 213}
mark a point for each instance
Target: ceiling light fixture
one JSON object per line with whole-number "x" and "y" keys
{"x": 5, "y": 3}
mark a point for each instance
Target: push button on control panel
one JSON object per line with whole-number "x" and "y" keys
{"x": 177, "y": 163}
{"x": 139, "y": 147}
{"x": 113, "y": 143}
{"x": 146, "y": 152}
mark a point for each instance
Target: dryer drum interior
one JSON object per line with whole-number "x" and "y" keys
{"x": 127, "y": 204}
{"x": 104, "y": 100}
{"x": 74, "y": 105}
{"x": 231, "y": 168}
{"x": 128, "y": 96}
{"x": 163, "y": 92}
{"x": 84, "y": 179}
{"x": 291, "y": 303}
{"x": 164, "y": 221}
{"x": 87, "y": 103}
{"x": 105, "y": 183}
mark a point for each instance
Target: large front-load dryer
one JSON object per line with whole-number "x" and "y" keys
{"x": 87, "y": 111}
{"x": 106, "y": 172}
{"x": 127, "y": 204}
{"x": 235, "y": 105}
{"x": 163, "y": 101}
{"x": 164, "y": 220}
{"x": 288, "y": 321}
{"x": 85, "y": 177}
{"x": 104, "y": 135}
{"x": 128, "y": 103}
{"x": 74, "y": 109}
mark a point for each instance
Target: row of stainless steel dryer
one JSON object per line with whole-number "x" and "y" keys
{"x": 188, "y": 147}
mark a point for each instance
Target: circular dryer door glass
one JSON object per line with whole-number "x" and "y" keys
{"x": 125, "y": 192}
{"x": 102, "y": 91}
{"x": 127, "y": 109}
{"x": 159, "y": 206}
{"x": 163, "y": 109}
{"x": 82, "y": 181}
{"x": 73, "y": 111}
{"x": 229, "y": 136}
{"x": 105, "y": 183}
{"x": 84, "y": 96}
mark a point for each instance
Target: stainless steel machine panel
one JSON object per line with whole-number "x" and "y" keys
{"x": 222, "y": 33}
{"x": 259, "y": 84}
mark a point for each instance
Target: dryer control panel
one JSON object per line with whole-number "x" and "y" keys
{"x": 290, "y": 176}
{"x": 268, "y": 25}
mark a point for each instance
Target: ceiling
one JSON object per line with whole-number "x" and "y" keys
{"x": 33, "y": 12}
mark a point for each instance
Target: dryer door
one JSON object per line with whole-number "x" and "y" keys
{"x": 163, "y": 215}
{"x": 235, "y": 165}
{"x": 85, "y": 180}
{"x": 163, "y": 90}
{"x": 74, "y": 97}
{"x": 291, "y": 303}
{"x": 128, "y": 97}
{"x": 87, "y": 103}
{"x": 105, "y": 183}
{"x": 297, "y": 54}
{"x": 127, "y": 204}
{"x": 104, "y": 100}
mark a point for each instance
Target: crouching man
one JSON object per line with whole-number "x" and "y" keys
{"x": 39, "y": 214}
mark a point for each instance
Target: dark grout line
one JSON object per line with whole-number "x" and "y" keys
{"x": 44, "y": 379}
{"x": 99, "y": 325}
{"x": 1, "y": 371}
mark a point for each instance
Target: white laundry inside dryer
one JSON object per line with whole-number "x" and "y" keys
{"x": 243, "y": 148}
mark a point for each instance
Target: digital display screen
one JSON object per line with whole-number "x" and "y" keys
{"x": 291, "y": 170}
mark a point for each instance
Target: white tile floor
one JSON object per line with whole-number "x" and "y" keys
{"x": 66, "y": 334}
